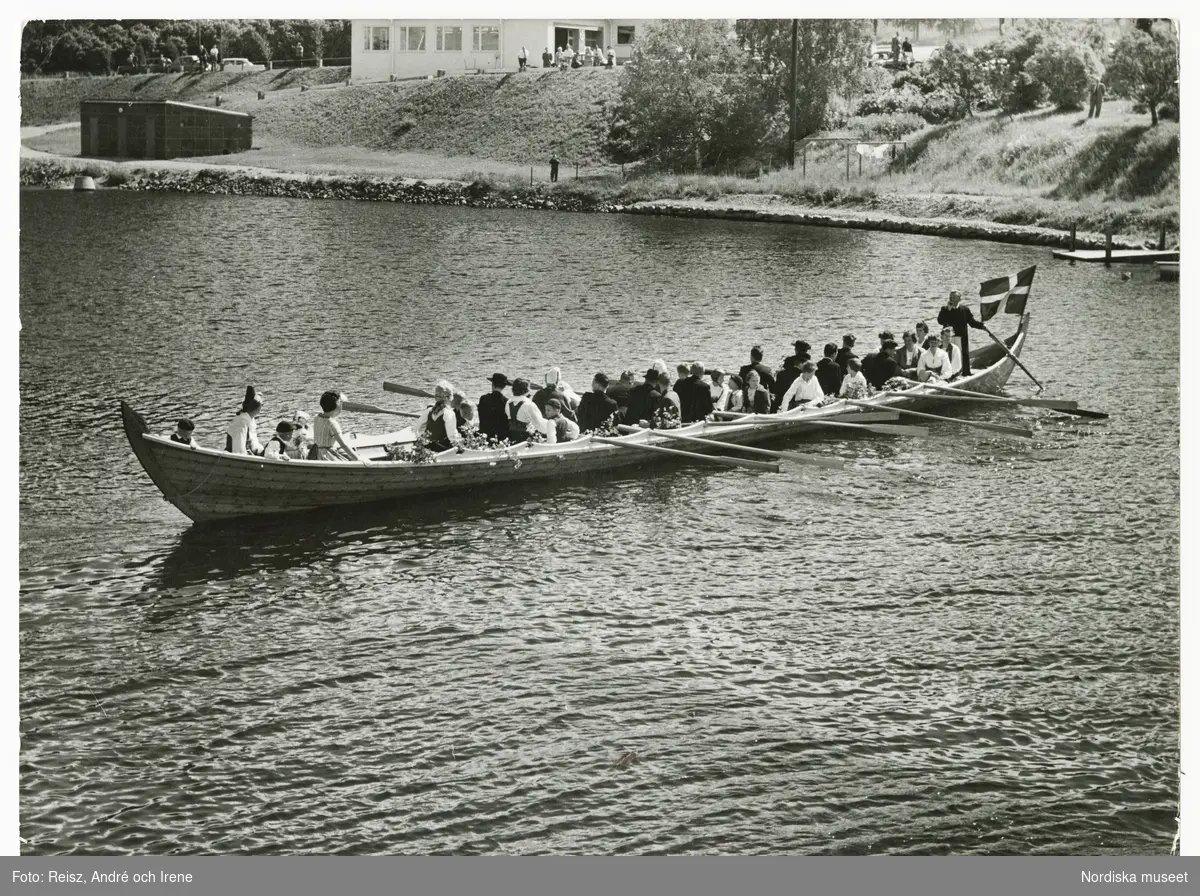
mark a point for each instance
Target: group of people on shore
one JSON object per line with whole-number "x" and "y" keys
{"x": 556, "y": 413}
{"x": 566, "y": 57}
{"x": 902, "y": 51}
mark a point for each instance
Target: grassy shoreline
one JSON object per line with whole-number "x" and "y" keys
{"x": 198, "y": 177}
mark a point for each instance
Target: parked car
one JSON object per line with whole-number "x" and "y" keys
{"x": 189, "y": 64}
{"x": 884, "y": 59}
{"x": 241, "y": 64}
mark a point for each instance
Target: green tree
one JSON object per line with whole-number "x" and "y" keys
{"x": 1145, "y": 67}
{"x": 962, "y": 74}
{"x": 1066, "y": 68}
{"x": 830, "y": 61}
{"x": 690, "y": 98}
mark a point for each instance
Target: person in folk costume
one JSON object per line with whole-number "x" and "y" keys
{"x": 934, "y": 363}
{"x": 465, "y": 415}
{"x": 438, "y": 423}
{"x": 183, "y": 432}
{"x": 328, "y": 441}
{"x": 524, "y": 418}
{"x": 279, "y": 445}
{"x": 241, "y": 436}
{"x": 755, "y": 399}
{"x": 854, "y": 384}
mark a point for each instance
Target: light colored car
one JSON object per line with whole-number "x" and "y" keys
{"x": 241, "y": 64}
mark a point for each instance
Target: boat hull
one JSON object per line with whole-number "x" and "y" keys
{"x": 206, "y": 484}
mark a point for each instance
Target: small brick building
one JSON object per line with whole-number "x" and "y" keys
{"x": 141, "y": 129}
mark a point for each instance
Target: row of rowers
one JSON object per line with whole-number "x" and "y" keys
{"x": 559, "y": 414}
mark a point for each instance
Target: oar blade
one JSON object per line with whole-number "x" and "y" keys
{"x": 406, "y": 390}
{"x": 362, "y": 408}
{"x": 1080, "y": 412}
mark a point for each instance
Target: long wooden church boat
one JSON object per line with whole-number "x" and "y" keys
{"x": 209, "y": 484}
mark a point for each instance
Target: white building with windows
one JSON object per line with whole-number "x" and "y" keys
{"x": 405, "y": 48}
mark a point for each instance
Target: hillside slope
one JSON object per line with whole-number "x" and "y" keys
{"x": 53, "y": 100}
{"x": 509, "y": 118}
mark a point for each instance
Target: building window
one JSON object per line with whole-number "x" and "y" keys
{"x": 624, "y": 34}
{"x": 449, "y": 38}
{"x": 485, "y": 38}
{"x": 410, "y": 39}
{"x": 375, "y": 37}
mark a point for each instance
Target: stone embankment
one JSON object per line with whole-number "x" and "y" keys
{"x": 241, "y": 182}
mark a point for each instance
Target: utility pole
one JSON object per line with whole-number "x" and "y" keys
{"x": 792, "y": 130}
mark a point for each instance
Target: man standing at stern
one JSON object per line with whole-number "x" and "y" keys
{"x": 958, "y": 318}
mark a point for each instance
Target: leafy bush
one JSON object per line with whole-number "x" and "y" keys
{"x": 1066, "y": 68}
{"x": 897, "y": 100}
{"x": 937, "y": 107}
{"x": 917, "y": 77}
{"x": 940, "y": 108}
{"x": 885, "y": 127}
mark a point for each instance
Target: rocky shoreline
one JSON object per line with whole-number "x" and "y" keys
{"x": 240, "y": 182}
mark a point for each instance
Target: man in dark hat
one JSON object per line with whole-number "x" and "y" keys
{"x": 493, "y": 420}
{"x": 802, "y": 352}
{"x": 595, "y": 407}
{"x": 959, "y": 318}
{"x": 643, "y": 399}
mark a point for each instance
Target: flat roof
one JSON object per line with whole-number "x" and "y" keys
{"x": 216, "y": 109}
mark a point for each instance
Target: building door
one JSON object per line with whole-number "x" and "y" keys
{"x": 561, "y": 37}
{"x": 594, "y": 38}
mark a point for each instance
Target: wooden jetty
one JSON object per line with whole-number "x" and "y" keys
{"x": 1125, "y": 256}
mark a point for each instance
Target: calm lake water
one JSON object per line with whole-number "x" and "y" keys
{"x": 959, "y": 644}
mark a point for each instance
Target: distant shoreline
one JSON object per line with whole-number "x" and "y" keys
{"x": 186, "y": 176}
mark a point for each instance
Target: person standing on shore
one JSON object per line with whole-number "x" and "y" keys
{"x": 612, "y": 57}
{"x": 547, "y": 58}
{"x": 896, "y": 47}
{"x": 1097, "y": 99}
{"x": 553, "y": 169}
{"x": 522, "y": 59}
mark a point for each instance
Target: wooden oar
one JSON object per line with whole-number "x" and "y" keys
{"x": 994, "y": 427}
{"x": 407, "y": 390}
{"x": 883, "y": 429}
{"x": 832, "y": 463}
{"x": 360, "y": 408}
{"x": 689, "y": 455}
{"x": 1067, "y": 407}
{"x": 1000, "y": 343}
{"x": 877, "y": 415}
